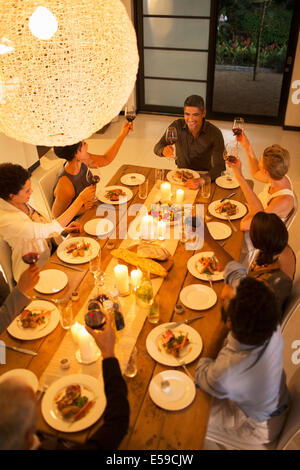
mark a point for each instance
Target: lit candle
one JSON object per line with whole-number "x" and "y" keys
{"x": 165, "y": 190}
{"x": 161, "y": 226}
{"x": 75, "y": 330}
{"x": 86, "y": 346}
{"x": 147, "y": 227}
{"x": 179, "y": 195}
{"x": 136, "y": 277}
{"x": 122, "y": 279}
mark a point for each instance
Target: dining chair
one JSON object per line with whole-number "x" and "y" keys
{"x": 290, "y": 430}
{"x": 46, "y": 185}
{"x": 293, "y": 213}
{"x": 291, "y": 305}
{"x": 6, "y": 262}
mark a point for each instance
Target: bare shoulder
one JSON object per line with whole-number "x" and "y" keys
{"x": 65, "y": 186}
{"x": 287, "y": 261}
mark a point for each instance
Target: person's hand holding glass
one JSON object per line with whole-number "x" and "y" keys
{"x": 171, "y": 138}
{"x": 230, "y": 155}
{"x": 95, "y": 269}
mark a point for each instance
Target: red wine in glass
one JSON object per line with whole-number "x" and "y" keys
{"x": 130, "y": 117}
{"x": 231, "y": 159}
{"x": 31, "y": 257}
{"x": 92, "y": 179}
{"x": 237, "y": 130}
{"x": 171, "y": 135}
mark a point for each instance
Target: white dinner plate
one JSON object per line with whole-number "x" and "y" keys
{"x": 133, "y": 179}
{"x": 218, "y": 230}
{"x": 90, "y": 387}
{"x": 240, "y": 212}
{"x": 51, "y": 281}
{"x": 16, "y": 330}
{"x": 122, "y": 199}
{"x": 189, "y": 353}
{"x": 180, "y": 394}
{"x": 29, "y": 377}
{"x": 198, "y": 297}
{"x": 89, "y": 254}
{"x": 227, "y": 184}
{"x": 191, "y": 265}
{"x": 171, "y": 176}
{"x": 98, "y": 227}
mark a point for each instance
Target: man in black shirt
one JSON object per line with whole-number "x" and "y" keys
{"x": 200, "y": 144}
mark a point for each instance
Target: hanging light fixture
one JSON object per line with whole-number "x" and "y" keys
{"x": 67, "y": 67}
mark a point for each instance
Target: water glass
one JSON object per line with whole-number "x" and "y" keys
{"x": 159, "y": 176}
{"x": 66, "y": 313}
{"x": 95, "y": 269}
{"x": 143, "y": 190}
{"x": 131, "y": 368}
{"x": 154, "y": 311}
{"x": 206, "y": 186}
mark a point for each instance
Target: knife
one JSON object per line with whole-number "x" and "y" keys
{"x": 38, "y": 297}
{"x": 25, "y": 351}
{"x": 185, "y": 322}
{"x": 67, "y": 266}
{"x": 228, "y": 197}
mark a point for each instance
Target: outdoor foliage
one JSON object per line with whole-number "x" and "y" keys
{"x": 238, "y": 31}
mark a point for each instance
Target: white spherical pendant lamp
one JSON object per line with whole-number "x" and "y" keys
{"x": 67, "y": 67}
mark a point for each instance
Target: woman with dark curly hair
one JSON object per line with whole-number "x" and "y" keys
{"x": 19, "y": 221}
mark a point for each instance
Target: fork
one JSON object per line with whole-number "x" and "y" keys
{"x": 47, "y": 382}
{"x": 209, "y": 280}
{"x": 231, "y": 224}
{"x": 182, "y": 364}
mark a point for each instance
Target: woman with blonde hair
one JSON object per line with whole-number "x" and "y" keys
{"x": 277, "y": 196}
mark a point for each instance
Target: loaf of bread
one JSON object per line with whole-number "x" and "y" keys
{"x": 152, "y": 251}
{"x": 145, "y": 264}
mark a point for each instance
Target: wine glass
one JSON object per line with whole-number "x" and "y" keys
{"x": 230, "y": 154}
{"x": 238, "y": 125}
{"x": 95, "y": 269}
{"x": 31, "y": 250}
{"x": 130, "y": 113}
{"x": 172, "y": 137}
{"x": 90, "y": 178}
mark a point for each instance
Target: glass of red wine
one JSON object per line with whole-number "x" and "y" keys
{"x": 130, "y": 113}
{"x": 172, "y": 137}
{"x": 31, "y": 252}
{"x": 92, "y": 179}
{"x": 230, "y": 155}
{"x": 238, "y": 125}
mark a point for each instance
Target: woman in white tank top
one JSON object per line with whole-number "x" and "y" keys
{"x": 277, "y": 196}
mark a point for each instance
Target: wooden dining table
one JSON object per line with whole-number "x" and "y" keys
{"x": 151, "y": 427}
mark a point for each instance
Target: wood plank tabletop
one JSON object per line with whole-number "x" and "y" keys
{"x": 150, "y": 426}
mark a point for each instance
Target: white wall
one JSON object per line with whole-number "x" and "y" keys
{"x": 292, "y": 115}
{"x": 17, "y": 152}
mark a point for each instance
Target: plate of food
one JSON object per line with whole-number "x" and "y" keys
{"x": 73, "y": 403}
{"x": 78, "y": 250}
{"x": 205, "y": 266}
{"x": 229, "y": 208}
{"x": 218, "y": 230}
{"x": 227, "y": 182}
{"x": 114, "y": 195}
{"x": 181, "y": 175}
{"x": 51, "y": 281}
{"x": 98, "y": 227}
{"x": 198, "y": 297}
{"x": 37, "y": 320}
{"x": 179, "y": 393}
{"x": 168, "y": 346}
{"x": 22, "y": 374}
{"x": 133, "y": 179}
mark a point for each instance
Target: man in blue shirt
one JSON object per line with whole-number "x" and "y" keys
{"x": 247, "y": 377}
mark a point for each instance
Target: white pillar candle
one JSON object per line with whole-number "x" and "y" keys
{"x": 86, "y": 346}
{"x": 75, "y": 329}
{"x": 179, "y": 195}
{"x": 136, "y": 277}
{"x": 147, "y": 227}
{"x": 122, "y": 279}
{"x": 165, "y": 191}
{"x": 161, "y": 228}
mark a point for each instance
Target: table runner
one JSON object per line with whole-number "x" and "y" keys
{"x": 134, "y": 315}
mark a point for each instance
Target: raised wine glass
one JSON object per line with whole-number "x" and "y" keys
{"x": 130, "y": 113}
{"x": 230, "y": 154}
{"x": 92, "y": 179}
{"x": 172, "y": 137}
{"x": 238, "y": 125}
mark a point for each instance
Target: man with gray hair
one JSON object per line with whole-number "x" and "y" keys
{"x": 200, "y": 143}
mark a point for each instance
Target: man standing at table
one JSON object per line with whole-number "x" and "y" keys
{"x": 200, "y": 144}
{"x": 247, "y": 379}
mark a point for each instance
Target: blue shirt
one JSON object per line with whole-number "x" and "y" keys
{"x": 250, "y": 376}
